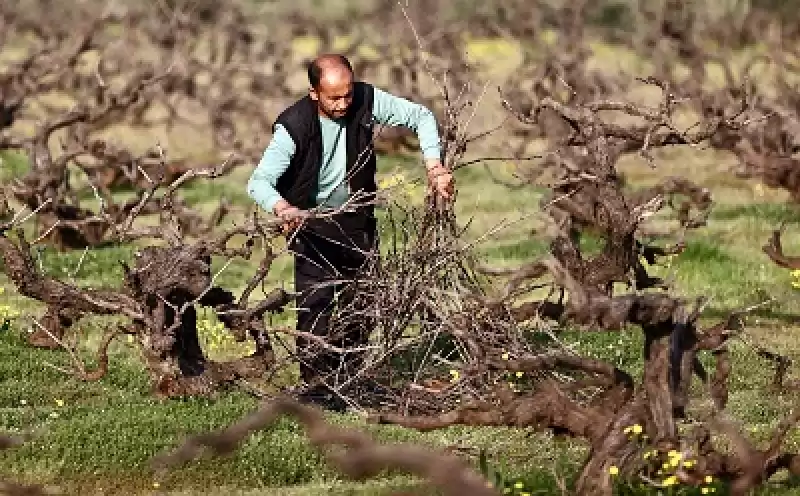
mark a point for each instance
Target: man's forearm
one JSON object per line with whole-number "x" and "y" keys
{"x": 428, "y": 135}
{"x": 273, "y": 163}
{"x": 263, "y": 192}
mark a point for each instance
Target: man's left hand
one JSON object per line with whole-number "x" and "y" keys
{"x": 440, "y": 179}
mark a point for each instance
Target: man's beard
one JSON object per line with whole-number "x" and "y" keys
{"x": 332, "y": 114}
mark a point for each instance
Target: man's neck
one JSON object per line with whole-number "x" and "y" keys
{"x": 326, "y": 117}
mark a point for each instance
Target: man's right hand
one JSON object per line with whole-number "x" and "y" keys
{"x": 292, "y": 216}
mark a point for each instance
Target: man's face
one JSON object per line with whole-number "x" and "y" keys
{"x": 335, "y": 94}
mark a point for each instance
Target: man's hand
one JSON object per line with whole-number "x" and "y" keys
{"x": 292, "y": 216}
{"x": 440, "y": 179}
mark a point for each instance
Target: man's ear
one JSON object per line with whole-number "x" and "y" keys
{"x": 313, "y": 94}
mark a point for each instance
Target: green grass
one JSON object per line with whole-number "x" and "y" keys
{"x": 523, "y": 249}
{"x": 773, "y": 213}
{"x": 99, "y": 267}
{"x": 12, "y": 165}
{"x": 203, "y": 191}
{"x": 107, "y": 431}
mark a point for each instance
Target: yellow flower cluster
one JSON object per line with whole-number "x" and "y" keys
{"x": 795, "y": 278}
{"x": 517, "y": 489}
{"x": 633, "y": 429}
{"x": 216, "y": 339}
{"x": 7, "y": 313}
{"x": 667, "y": 465}
{"x": 512, "y": 379}
{"x": 455, "y": 375}
{"x": 403, "y": 186}
{"x": 670, "y": 481}
{"x": 512, "y": 382}
{"x": 674, "y": 460}
{"x": 708, "y": 489}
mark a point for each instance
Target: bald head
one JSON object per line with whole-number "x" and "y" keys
{"x": 331, "y": 80}
{"x": 329, "y": 68}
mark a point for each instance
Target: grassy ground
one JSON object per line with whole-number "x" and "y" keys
{"x": 97, "y": 438}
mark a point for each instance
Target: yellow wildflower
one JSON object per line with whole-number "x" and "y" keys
{"x": 391, "y": 181}
{"x": 704, "y": 490}
{"x": 796, "y": 276}
{"x": 60, "y": 402}
{"x": 670, "y": 481}
{"x": 7, "y": 313}
{"x": 689, "y": 463}
{"x": 519, "y": 485}
{"x": 613, "y": 470}
{"x": 520, "y": 374}
{"x": 708, "y": 479}
{"x": 635, "y": 429}
{"x": 454, "y": 375}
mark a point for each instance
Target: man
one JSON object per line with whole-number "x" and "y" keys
{"x": 321, "y": 154}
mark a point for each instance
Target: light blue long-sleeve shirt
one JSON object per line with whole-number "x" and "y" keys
{"x": 332, "y": 190}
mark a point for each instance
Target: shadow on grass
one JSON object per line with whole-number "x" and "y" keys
{"x": 784, "y": 317}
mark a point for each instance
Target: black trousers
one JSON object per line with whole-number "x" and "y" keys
{"x": 329, "y": 255}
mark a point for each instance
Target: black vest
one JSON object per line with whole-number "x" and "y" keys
{"x": 298, "y": 185}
